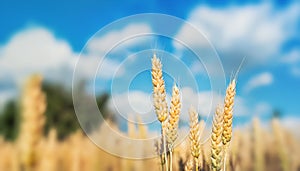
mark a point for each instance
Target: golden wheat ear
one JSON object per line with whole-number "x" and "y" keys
{"x": 227, "y": 118}
{"x": 159, "y": 92}
{"x": 216, "y": 140}
{"x": 33, "y": 119}
{"x": 228, "y": 112}
{"x": 258, "y": 143}
{"x": 189, "y": 165}
{"x": 159, "y": 100}
{"x": 194, "y": 135}
{"x": 172, "y": 127}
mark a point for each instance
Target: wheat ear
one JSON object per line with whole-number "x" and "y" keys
{"x": 159, "y": 98}
{"x": 258, "y": 143}
{"x": 280, "y": 142}
{"x": 159, "y": 92}
{"x": 172, "y": 126}
{"x": 33, "y": 108}
{"x": 216, "y": 140}
{"x": 228, "y": 113}
{"x": 194, "y": 135}
{"x": 189, "y": 165}
{"x": 172, "y": 130}
{"x": 227, "y": 117}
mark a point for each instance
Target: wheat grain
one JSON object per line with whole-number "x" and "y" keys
{"x": 235, "y": 151}
{"x": 159, "y": 92}
{"x": 131, "y": 127}
{"x": 216, "y": 140}
{"x": 172, "y": 127}
{"x": 280, "y": 145}
{"x": 33, "y": 108}
{"x": 259, "y": 159}
{"x": 227, "y": 119}
{"x": 228, "y": 113}
{"x": 49, "y": 160}
{"x": 189, "y": 165}
{"x": 194, "y": 135}
{"x": 160, "y": 103}
{"x": 142, "y": 129}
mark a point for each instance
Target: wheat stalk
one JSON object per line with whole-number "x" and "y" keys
{"x": 280, "y": 145}
{"x": 228, "y": 113}
{"x": 49, "y": 160}
{"x": 158, "y": 144}
{"x": 258, "y": 143}
{"x": 216, "y": 140}
{"x": 227, "y": 117}
{"x": 189, "y": 165}
{"x": 235, "y": 150}
{"x": 131, "y": 129}
{"x": 159, "y": 92}
{"x": 142, "y": 129}
{"x": 172, "y": 129}
{"x": 159, "y": 98}
{"x": 194, "y": 135}
{"x": 33, "y": 108}
{"x": 172, "y": 126}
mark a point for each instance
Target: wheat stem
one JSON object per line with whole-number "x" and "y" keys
{"x": 227, "y": 117}
{"x": 165, "y": 145}
{"x": 160, "y": 103}
{"x": 171, "y": 153}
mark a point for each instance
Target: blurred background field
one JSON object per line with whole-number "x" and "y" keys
{"x": 40, "y": 43}
{"x": 42, "y": 145}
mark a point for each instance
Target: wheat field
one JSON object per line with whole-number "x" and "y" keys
{"x": 255, "y": 147}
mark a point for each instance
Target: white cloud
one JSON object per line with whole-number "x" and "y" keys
{"x": 203, "y": 101}
{"x": 38, "y": 50}
{"x": 209, "y": 67}
{"x": 256, "y": 32}
{"x": 102, "y": 43}
{"x": 89, "y": 65}
{"x": 35, "y": 51}
{"x": 94, "y": 57}
{"x": 132, "y": 103}
{"x": 262, "y": 108}
{"x": 138, "y": 102}
{"x": 295, "y": 71}
{"x": 291, "y": 123}
{"x": 263, "y": 79}
{"x": 206, "y": 101}
{"x": 292, "y": 57}
{"x": 197, "y": 68}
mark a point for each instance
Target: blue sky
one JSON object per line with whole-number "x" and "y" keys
{"x": 77, "y": 21}
{"x": 50, "y": 35}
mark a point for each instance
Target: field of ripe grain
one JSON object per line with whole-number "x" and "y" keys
{"x": 254, "y": 147}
